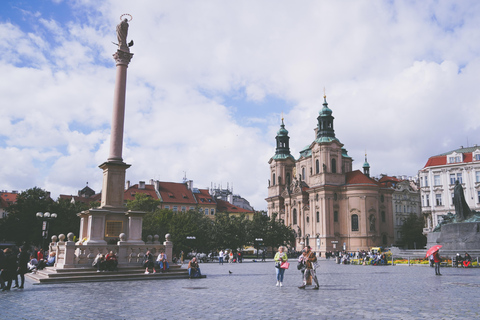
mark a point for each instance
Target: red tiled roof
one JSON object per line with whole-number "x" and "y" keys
{"x": 442, "y": 160}
{"x": 149, "y": 190}
{"x": 204, "y": 197}
{"x": 174, "y": 192}
{"x": 227, "y": 207}
{"x": 7, "y": 198}
{"x": 357, "y": 177}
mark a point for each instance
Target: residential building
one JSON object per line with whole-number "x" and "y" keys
{"x": 437, "y": 182}
{"x": 86, "y": 195}
{"x": 227, "y": 195}
{"x": 323, "y": 199}
{"x": 406, "y": 200}
{"x": 231, "y": 209}
{"x": 6, "y": 199}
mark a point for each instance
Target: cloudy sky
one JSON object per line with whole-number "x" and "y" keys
{"x": 209, "y": 81}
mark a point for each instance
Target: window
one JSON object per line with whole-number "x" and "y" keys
{"x": 477, "y": 176}
{"x": 317, "y": 166}
{"x": 383, "y": 216}
{"x": 294, "y": 216}
{"x": 288, "y": 178}
{"x": 303, "y": 173}
{"x": 452, "y": 178}
{"x": 454, "y": 159}
{"x": 354, "y": 222}
{"x": 167, "y": 207}
{"x": 335, "y": 216}
{"x": 184, "y": 209}
{"x": 438, "y": 199}
{"x": 478, "y": 196}
{"x": 206, "y": 211}
{"x": 273, "y": 179}
{"x": 212, "y": 212}
{"x": 318, "y": 217}
{"x": 426, "y": 181}
{"x": 427, "y": 198}
{"x": 175, "y": 208}
{"x": 452, "y": 198}
{"x": 436, "y": 180}
{"x": 334, "y": 166}
{"x": 421, "y": 182}
{"x": 459, "y": 177}
{"x": 477, "y": 157}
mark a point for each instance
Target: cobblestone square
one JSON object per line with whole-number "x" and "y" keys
{"x": 249, "y": 292}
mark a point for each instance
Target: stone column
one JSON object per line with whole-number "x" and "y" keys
{"x": 135, "y": 219}
{"x": 96, "y": 230}
{"x": 122, "y": 59}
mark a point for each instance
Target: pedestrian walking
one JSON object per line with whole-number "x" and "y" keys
{"x": 23, "y": 258}
{"x": 280, "y": 258}
{"x": 309, "y": 258}
{"x": 9, "y": 270}
{"x": 220, "y": 257}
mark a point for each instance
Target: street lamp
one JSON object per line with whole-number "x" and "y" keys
{"x": 193, "y": 241}
{"x": 46, "y": 218}
{"x": 258, "y": 242}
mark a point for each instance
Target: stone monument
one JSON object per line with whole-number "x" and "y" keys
{"x": 457, "y": 232}
{"x": 106, "y": 223}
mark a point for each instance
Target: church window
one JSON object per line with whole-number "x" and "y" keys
{"x": 318, "y": 217}
{"x": 335, "y": 216}
{"x": 317, "y": 166}
{"x": 288, "y": 178}
{"x": 308, "y": 219}
{"x": 383, "y": 216}
{"x": 303, "y": 173}
{"x": 273, "y": 179}
{"x": 334, "y": 166}
{"x": 294, "y": 216}
{"x": 354, "y": 222}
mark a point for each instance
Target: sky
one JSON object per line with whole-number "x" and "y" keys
{"x": 210, "y": 80}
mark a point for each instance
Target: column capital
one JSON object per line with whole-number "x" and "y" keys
{"x": 122, "y": 57}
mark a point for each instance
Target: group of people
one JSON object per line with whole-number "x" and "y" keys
{"x": 307, "y": 264}
{"x": 150, "y": 263}
{"x": 229, "y": 257}
{"x": 107, "y": 262}
{"x": 464, "y": 261}
{"x": 15, "y": 262}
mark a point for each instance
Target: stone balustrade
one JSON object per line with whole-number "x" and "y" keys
{"x": 77, "y": 255}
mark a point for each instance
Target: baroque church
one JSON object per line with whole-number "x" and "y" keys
{"x": 329, "y": 206}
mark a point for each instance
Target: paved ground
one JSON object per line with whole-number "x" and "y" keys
{"x": 346, "y": 292}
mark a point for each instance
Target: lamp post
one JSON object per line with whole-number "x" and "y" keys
{"x": 193, "y": 241}
{"x": 258, "y": 242}
{"x": 46, "y": 218}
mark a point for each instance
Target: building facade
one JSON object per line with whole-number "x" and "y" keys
{"x": 406, "y": 201}
{"x": 329, "y": 206}
{"x": 437, "y": 182}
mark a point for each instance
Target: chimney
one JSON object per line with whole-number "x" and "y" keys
{"x": 128, "y": 184}
{"x": 141, "y": 185}
{"x": 230, "y": 198}
{"x": 157, "y": 185}
{"x": 189, "y": 184}
{"x": 151, "y": 182}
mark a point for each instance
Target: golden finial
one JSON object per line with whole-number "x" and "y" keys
{"x": 282, "y": 116}
{"x": 324, "y": 94}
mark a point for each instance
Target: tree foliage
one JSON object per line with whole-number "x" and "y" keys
{"x": 412, "y": 232}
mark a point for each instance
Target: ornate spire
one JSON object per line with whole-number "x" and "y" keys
{"x": 325, "y": 121}
{"x": 283, "y": 148}
{"x": 366, "y": 166}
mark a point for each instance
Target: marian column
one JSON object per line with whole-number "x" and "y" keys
{"x": 111, "y": 219}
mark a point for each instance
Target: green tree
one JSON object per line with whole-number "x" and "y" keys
{"x": 143, "y": 202}
{"x": 412, "y": 232}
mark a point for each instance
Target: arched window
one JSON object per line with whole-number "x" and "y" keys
{"x": 383, "y": 216}
{"x": 317, "y": 166}
{"x": 273, "y": 179}
{"x": 294, "y": 216}
{"x": 334, "y": 166}
{"x": 318, "y": 217}
{"x": 303, "y": 173}
{"x": 288, "y": 178}
{"x": 335, "y": 216}
{"x": 354, "y": 222}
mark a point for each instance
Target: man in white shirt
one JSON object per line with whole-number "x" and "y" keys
{"x": 220, "y": 257}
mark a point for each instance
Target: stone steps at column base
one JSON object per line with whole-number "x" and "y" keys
{"x": 91, "y": 275}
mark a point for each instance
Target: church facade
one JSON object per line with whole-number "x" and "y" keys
{"x": 330, "y": 206}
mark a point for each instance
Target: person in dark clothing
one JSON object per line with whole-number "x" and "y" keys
{"x": 23, "y": 258}
{"x": 9, "y": 270}
{"x": 2, "y": 262}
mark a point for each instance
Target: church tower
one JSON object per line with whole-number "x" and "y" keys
{"x": 281, "y": 170}
{"x": 366, "y": 167}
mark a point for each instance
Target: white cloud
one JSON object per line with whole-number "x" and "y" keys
{"x": 400, "y": 77}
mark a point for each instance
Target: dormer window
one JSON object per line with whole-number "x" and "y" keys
{"x": 455, "y": 158}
